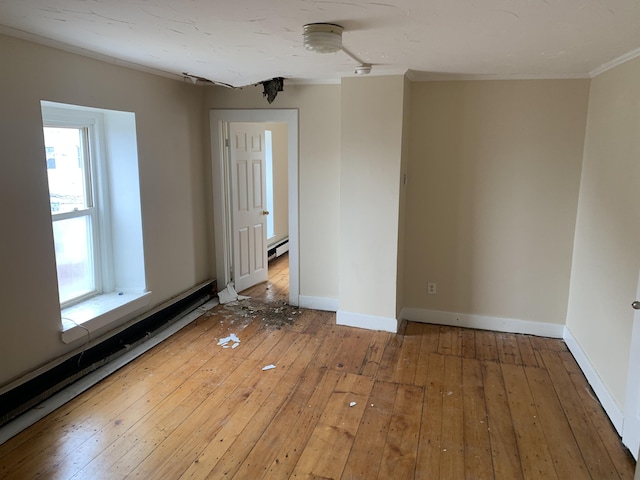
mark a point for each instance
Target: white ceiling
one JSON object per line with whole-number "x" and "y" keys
{"x": 241, "y": 42}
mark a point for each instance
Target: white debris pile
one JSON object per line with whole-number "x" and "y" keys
{"x": 229, "y": 295}
{"x": 233, "y": 339}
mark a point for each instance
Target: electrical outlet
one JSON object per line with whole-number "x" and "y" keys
{"x": 431, "y": 288}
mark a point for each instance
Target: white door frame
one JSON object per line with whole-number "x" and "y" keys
{"x": 631, "y": 422}
{"x": 219, "y": 118}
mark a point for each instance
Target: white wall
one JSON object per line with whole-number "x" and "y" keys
{"x": 492, "y": 197}
{"x": 606, "y": 255}
{"x": 173, "y": 196}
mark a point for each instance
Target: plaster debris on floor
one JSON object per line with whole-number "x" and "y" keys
{"x": 229, "y": 294}
{"x": 276, "y": 314}
{"x": 233, "y": 339}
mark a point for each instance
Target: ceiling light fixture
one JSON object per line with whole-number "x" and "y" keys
{"x": 322, "y": 37}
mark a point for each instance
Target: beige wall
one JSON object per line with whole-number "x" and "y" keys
{"x": 319, "y": 173}
{"x": 606, "y": 257}
{"x": 280, "y": 157}
{"x": 171, "y": 165}
{"x": 371, "y": 155}
{"x": 402, "y": 207}
{"x": 492, "y": 196}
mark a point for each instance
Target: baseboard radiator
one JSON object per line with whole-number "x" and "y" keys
{"x": 25, "y": 396}
{"x": 278, "y": 248}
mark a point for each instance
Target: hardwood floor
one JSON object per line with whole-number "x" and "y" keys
{"x": 431, "y": 402}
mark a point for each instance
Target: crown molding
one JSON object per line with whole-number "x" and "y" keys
{"x": 416, "y": 76}
{"x": 615, "y": 62}
{"x": 48, "y": 42}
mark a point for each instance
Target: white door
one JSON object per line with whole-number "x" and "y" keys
{"x": 631, "y": 425}
{"x": 249, "y": 224}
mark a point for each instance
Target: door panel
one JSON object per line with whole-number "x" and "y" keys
{"x": 247, "y": 158}
{"x": 259, "y": 246}
{"x": 258, "y": 183}
{"x": 243, "y": 252}
{"x": 241, "y": 186}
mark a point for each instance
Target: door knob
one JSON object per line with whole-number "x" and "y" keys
{"x": 266, "y": 212}
{"x": 636, "y": 305}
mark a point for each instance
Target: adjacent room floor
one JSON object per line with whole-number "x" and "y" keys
{"x": 430, "y": 402}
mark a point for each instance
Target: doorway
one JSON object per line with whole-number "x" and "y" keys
{"x": 219, "y": 124}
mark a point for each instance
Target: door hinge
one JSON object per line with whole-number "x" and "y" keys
{"x": 226, "y": 142}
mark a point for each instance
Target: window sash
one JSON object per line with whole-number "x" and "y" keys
{"x": 75, "y": 263}
{"x": 80, "y": 277}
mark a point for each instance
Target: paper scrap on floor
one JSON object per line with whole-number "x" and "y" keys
{"x": 231, "y": 338}
{"x": 229, "y": 295}
{"x": 268, "y": 367}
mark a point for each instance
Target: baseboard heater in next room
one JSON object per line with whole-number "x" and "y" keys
{"x": 276, "y": 249}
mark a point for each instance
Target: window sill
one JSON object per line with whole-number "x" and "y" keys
{"x": 97, "y": 312}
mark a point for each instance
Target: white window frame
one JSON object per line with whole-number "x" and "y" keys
{"x": 121, "y": 291}
{"x": 95, "y": 178}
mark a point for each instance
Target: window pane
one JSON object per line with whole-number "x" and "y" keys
{"x": 64, "y": 152}
{"x": 74, "y": 257}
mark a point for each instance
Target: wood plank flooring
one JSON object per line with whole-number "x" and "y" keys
{"x": 431, "y": 402}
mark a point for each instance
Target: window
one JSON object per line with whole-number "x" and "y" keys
{"x": 71, "y": 163}
{"x": 94, "y": 192}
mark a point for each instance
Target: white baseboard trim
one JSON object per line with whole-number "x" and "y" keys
{"x": 318, "y": 303}
{"x": 530, "y": 328}
{"x": 370, "y": 322}
{"x": 483, "y": 322}
{"x": 606, "y": 400}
